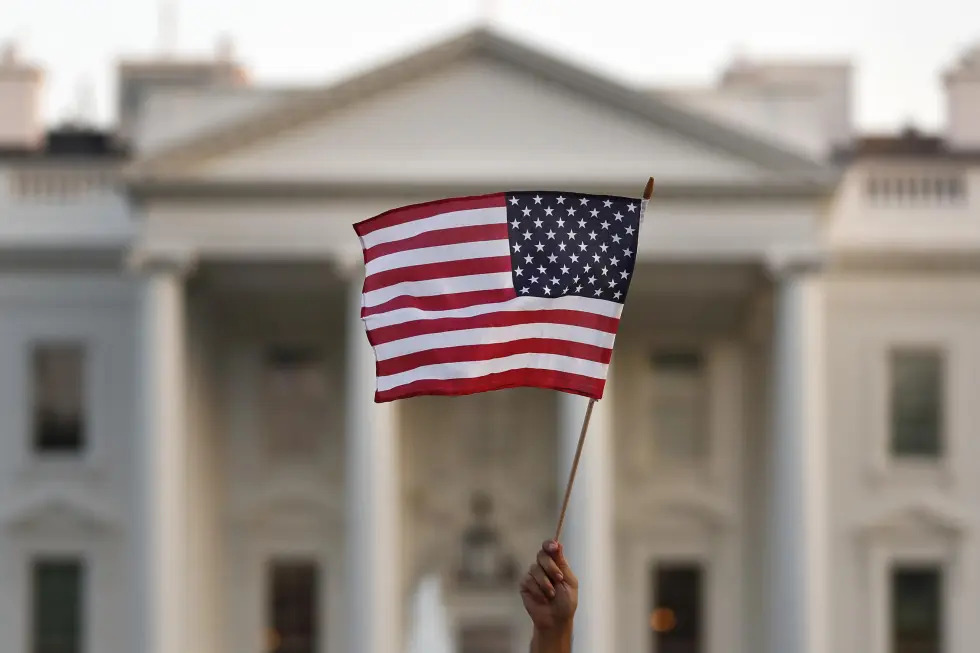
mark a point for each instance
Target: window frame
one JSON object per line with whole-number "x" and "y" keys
{"x": 97, "y": 312}
{"x": 887, "y": 553}
{"x": 320, "y": 624}
{"x": 942, "y": 434}
{"x": 705, "y": 382}
{"x": 273, "y": 534}
{"x": 319, "y": 452}
{"x": 933, "y": 569}
{"x": 724, "y": 422}
{"x": 884, "y": 466}
{"x": 32, "y": 347}
{"x": 715, "y": 548}
{"x": 652, "y": 602}
{"x": 32, "y": 562}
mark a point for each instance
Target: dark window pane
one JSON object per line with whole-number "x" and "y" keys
{"x": 916, "y": 610}
{"x": 873, "y": 188}
{"x": 916, "y": 403}
{"x": 293, "y": 607}
{"x": 295, "y": 399}
{"x": 676, "y": 619}
{"x": 57, "y": 606}
{"x": 485, "y": 639}
{"x": 59, "y": 416}
{"x": 678, "y": 404}
{"x": 956, "y": 188}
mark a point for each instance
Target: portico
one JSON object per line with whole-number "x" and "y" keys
{"x": 251, "y": 279}
{"x": 381, "y": 496}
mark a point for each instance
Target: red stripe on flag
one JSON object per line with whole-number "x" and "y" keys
{"x": 413, "y": 212}
{"x": 455, "y": 236}
{"x": 443, "y": 302}
{"x": 497, "y": 319}
{"x": 428, "y": 271}
{"x": 549, "y": 379}
{"x": 487, "y": 352}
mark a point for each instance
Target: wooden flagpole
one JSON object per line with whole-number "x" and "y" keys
{"x": 647, "y": 194}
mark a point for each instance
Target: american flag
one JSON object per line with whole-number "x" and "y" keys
{"x": 473, "y": 294}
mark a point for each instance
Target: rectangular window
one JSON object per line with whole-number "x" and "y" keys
{"x": 57, "y": 596}
{"x": 677, "y": 615}
{"x": 917, "y": 389}
{"x": 58, "y": 372}
{"x": 294, "y": 614}
{"x": 485, "y": 638}
{"x": 679, "y": 404}
{"x": 916, "y": 609}
{"x": 295, "y": 402}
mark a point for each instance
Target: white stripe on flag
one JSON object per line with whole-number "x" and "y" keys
{"x": 445, "y": 286}
{"x": 567, "y": 303}
{"x": 473, "y": 369}
{"x": 464, "y": 218}
{"x": 494, "y": 335}
{"x": 439, "y": 254}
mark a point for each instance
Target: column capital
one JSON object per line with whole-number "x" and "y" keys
{"x": 783, "y": 262}
{"x": 350, "y": 263}
{"x": 178, "y": 261}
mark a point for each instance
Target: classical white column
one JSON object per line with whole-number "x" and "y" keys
{"x": 797, "y": 618}
{"x": 374, "y": 589}
{"x": 163, "y": 458}
{"x": 588, "y": 530}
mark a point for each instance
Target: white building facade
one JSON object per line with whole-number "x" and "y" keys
{"x": 191, "y": 459}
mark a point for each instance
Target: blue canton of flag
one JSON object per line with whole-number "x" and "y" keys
{"x": 572, "y": 244}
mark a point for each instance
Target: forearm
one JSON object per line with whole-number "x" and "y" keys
{"x": 558, "y": 640}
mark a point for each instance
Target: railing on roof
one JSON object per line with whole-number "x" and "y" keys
{"x": 61, "y": 185}
{"x": 915, "y": 191}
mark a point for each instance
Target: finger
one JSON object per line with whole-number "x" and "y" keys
{"x": 537, "y": 573}
{"x": 557, "y": 552}
{"x": 530, "y": 588}
{"x": 550, "y": 567}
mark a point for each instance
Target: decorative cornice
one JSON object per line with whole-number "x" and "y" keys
{"x": 286, "y": 504}
{"x": 57, "y": 507}
{"x": 652, "y": 107}
{"x": 922, "y": 261}
{"x": 16, "y": 257}
{"x": 785, "y": 262}
{"x": 189, "y": 186}
{"x": 709, "y": 512}
{"x": 932, "y": 514}
{"x": 180, "y": 261}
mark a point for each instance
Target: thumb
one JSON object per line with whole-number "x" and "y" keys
{"x": 557, "y": 553}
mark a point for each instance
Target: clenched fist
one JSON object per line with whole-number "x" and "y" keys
{"x": 549, "y": 590}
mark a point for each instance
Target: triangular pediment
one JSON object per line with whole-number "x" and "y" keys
{"x": 293, "y": 502}
{"x": 689, "y": 511}
{"x": 475, "y": 110}
{"x": 56, "y": 510}
{"x": 922, "y": 515}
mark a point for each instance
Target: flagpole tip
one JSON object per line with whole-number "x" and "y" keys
{"x": 648, "y": 191}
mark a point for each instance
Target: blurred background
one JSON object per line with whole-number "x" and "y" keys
{"x": 786, "y": 457}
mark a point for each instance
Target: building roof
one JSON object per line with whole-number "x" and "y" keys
{"x": 70, "y": 142}
{"x": 480, "y": 42}
{"x": 909, "y": 144}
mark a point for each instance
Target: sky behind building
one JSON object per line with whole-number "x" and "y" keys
{"x": 899, "y": 48}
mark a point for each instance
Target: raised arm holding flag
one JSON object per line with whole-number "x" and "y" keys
{"x": 525, "y": 288}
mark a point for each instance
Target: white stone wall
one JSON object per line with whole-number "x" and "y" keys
{"x": 85, "y": 505}
{"x": 880, "y": 509}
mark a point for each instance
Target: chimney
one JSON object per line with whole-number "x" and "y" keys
{"x": 825, "y": 86}
{"x": 139, "y": 79}
{"x": 963, "y": 103}
{"x": 21, "y": 126}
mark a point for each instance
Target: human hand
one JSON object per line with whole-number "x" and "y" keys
{"x": 549, "y": 589}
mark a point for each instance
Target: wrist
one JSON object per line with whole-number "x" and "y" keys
{"x": 559, "y": 632}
